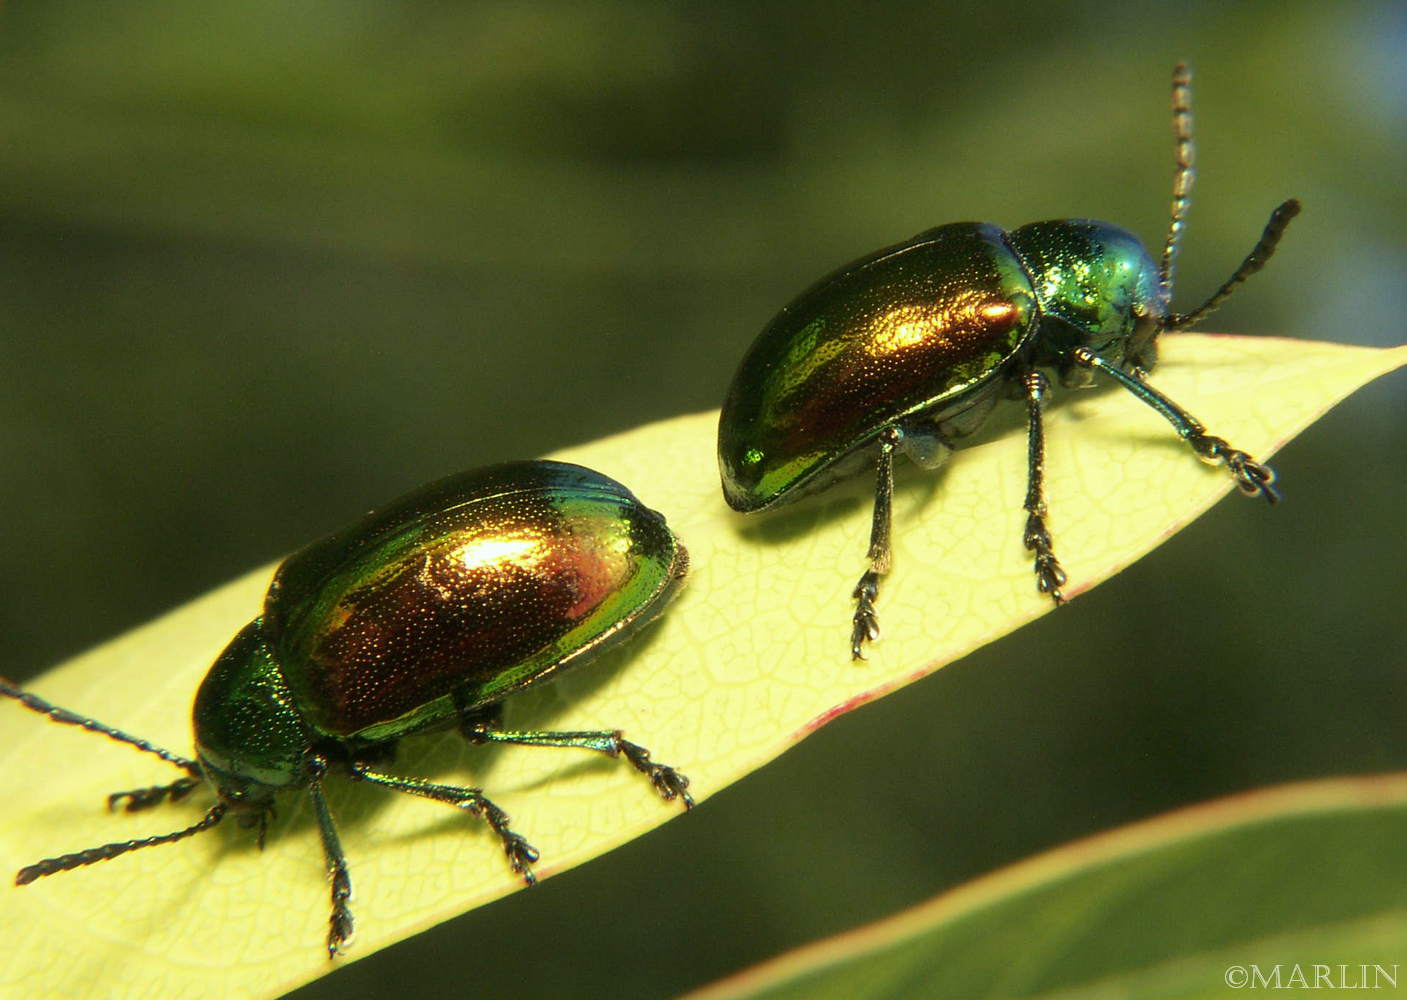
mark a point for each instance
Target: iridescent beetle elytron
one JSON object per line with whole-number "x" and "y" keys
{"x": 424, "y": 615}
{"x": 910, "y": 347}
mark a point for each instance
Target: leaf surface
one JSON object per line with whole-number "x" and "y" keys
{"x": 750, "y": 659}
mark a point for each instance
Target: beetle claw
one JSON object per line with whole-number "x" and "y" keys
{"x": 1050, "y": 575}
{"x": 672, "y": 785}
{"x": 521, "y": 856}
{"x": 1252, "y": 478}
{"x": 339, "y": 934}
{"x": 340, "y": 924}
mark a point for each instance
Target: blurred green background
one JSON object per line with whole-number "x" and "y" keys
{"x": 267, "y": 264}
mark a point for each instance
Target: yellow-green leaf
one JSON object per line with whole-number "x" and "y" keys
{"x": 752, "y": 657}
{"x": 1301, "y": 884}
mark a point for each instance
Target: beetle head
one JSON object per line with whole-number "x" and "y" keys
{"x": 1097, "y": 287}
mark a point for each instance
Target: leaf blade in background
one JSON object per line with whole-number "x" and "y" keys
{"x": 1302, "y": 874}
{"x": 753, "y": 657}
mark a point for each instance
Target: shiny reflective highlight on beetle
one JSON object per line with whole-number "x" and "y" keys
{"x": 910, "y": 348}
{"x": 424, "y": 615}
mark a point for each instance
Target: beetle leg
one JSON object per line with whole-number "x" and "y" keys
{"x": 519, "y": 852}
{"x": 339, "y": 930}
{"x": 145, "y": 798}
{"x": 880, "y": 555}
{"x": 259, "y": 823}
{"x": 670, "y": 783}
{"x": 1049, "y": 575}
{"x": 1252, "y": 478}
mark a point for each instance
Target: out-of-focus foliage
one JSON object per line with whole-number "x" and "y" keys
{"x": 1296, "y": 887}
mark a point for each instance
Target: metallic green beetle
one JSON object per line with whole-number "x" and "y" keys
{"x": 425, "y": 614}
{"x": 910, "y": 347}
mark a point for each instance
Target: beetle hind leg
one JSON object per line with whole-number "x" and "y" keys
{"x": 669, "y": 782}
{"x": 516, "y": 849}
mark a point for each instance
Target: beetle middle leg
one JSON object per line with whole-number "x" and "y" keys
{"x": 1050, "y": 577}
{"x": 482, "y": 727}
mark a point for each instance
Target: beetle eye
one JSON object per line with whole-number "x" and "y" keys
{"x": 752, "y": 456}
{"x": 1146, "y": 327}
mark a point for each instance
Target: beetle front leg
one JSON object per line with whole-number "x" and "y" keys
{"x": 136, "y": 799}
{"x": 670, "y": 783}
{"x": 339, "y": 930}
{"x": 880, "y": 555}
{"x": 1050, "y": 577}
{"x": 1252, "y": 478}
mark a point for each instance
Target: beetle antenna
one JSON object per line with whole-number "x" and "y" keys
{"x": 1183, "y": 176}
{"x": 68, "y": 862}
{"x": 1255, "y": 260}
{"x": 62, "y": 715}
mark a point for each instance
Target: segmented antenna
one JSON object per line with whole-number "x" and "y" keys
{"x": 62, "y": 715}
{"x": 1183, "y": 176}
{"x": 1255, "y": 260}
{"x": 68, "y": 862}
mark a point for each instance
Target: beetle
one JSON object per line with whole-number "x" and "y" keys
{"x": 909, "y": 349}
{"x": 424, "y": 615}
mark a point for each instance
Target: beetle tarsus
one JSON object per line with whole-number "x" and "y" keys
{"x": 339, "y": 931}
{"x": 866, "y": 621}
{"x": 1252, "y": 477}
{"x": 137, "y": 799}
{"x": 1050, "y": 576}
{"x": 670, "y": 783}
{"x": 520, "y": 854}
